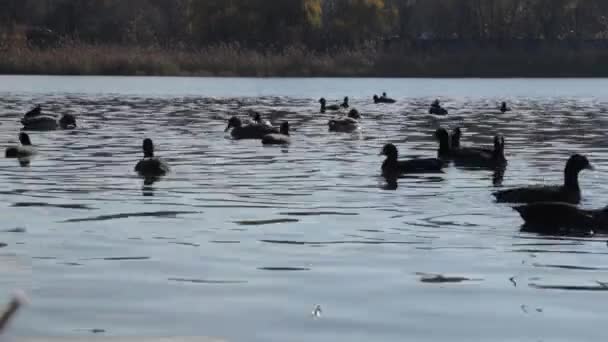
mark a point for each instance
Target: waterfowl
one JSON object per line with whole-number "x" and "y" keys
{"x": 437, "y": 109}
{"x": 557, "y": 217}
{"x": 345, "y": 124}
{"x": 253, "y": 131}
{"x": 278, "y": 139}
{"x": 383, "y": 99}
{"x": 325, "y": 107}
{"x": 569, "y": 192}
{"x": 34, "y": 120}
{"x": 24, "y": 150}
{"x": 504, "y": 108}
{"x": 474, "y": 157}
{"x": 392, "y": 167}
{"x": 257, "y": 119}
{"x": 345, "y": 104}
{"x": 150, "y": 166}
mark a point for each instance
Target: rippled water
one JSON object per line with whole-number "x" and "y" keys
{"x": 243, "y": 241}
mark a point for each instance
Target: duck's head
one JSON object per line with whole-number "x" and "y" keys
{"x": 499, "y": 146}
{"x": 67, "y": 121}
{"x": 504, "y": 105}
{"x": 578, "y": 163}
{"x": 346, "y": 100}
{"x": 257, "y": 117}
{"x": 233, "y": 122}
{"x": 390, "y": 151}
{"x": 25, "y": 139}
{"x": 322, "y": 101}
{"x": 284, "y": 128}
{"x": 354, "y": 114}
{"x": 376, "y": 98}
{"x": 148, "y": 147}
{"x": 383, "y": 94}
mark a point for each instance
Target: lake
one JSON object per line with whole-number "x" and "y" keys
{"x": 243, "y": 241}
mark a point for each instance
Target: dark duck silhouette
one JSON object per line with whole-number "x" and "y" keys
{"x": 471, "y": 157}
{"x": 252, "y": 131}
{"x": 561, "y": 217}
{"x": 281, "y": 138}
{"x": 345, "y": 104}
{"x": 151, "y": 167}
{"x": 392, "y": 167}
{"x": 35, "y": 120}
{"x": 569, "y": 192}
{"x": 383, "y": 99}
{"x": 437, "y": 109}
{"x": 22, "y": 151}
{"x": 325, "y": 107}
{"x": 504, "y": 108}
{"x": 345, "y": 124}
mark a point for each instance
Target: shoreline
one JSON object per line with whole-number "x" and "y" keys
{"x": 297, "y": 62}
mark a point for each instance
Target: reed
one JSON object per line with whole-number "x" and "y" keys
{"x": 234, "y": 60}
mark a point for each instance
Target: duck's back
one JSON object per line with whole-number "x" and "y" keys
{"x": 421, "y": 165}
{"x": 344, "y": 124}
{"x": 254, "y": 131}
{"x": 555, "y": 215}
{"x": 538, "y": 194}
{"x": 40, "y": 122}
{"x": 152, "y": 167}
{"x": 276, "y": 139}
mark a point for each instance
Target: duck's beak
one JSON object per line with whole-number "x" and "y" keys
{"x": 590, "y": 167}
{"x": 227, "y": 128}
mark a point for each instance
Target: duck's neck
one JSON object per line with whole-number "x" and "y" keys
{"x": 323, "y": 108}
{"x": 571, "y": 179}
{"x": 444, "y": 147}
{"x": 148, "y": 154}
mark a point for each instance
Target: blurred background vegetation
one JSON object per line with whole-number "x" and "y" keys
{"x": 305, "y": 37}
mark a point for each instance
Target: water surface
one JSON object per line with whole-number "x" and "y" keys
{"x": 242, "y": 241}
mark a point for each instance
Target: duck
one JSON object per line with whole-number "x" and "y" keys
{"x": 472, "y": 157}
{"x": 257, "y": 119}
{"x": 345, "y": 104}
{"x": 325, "y": 107}
{"x": 35, "y": 120}
{"x": 383, "y": 99}
{"x": 560, "y": 217}
{"x": 24, "y": 150}
{"x": 252, "y": 131}
{"x": 150, "y": 166}
{"x": 504, "y": 108}
{"x": 437, "y": 109}
{"x": 569, "y": 192}
{"x": 281, "y": 138}
{"x": 392, "y": 167}
{"x": 345, "y": 124}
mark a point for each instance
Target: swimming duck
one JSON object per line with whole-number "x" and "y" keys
{"x": 345, "y": 124}
{"x": 383, "y": 99}
{"x": 24, "y": 150}
{"x": 150, "y": 166}
{"x": 325, "y": 107}
{"x": 345, "y": 104}
{"x": 253, "y": 131}
{"x": 392, "y": 167}
{"x": 34, "y": 120}
{"x": 560, "y": 217}
{"x": 257, "y": 119}
{"x": 474, "y": 157}
{"x": 437, "y": 109}
{"x": 504, "y": 108}
{"x": 278, "y": 139}
{"x": 570, "y": 192}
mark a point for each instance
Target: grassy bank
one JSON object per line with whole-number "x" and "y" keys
{"x": 231, "y": 60}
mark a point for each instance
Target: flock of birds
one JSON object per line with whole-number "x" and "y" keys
{"x": 551, "y": 209}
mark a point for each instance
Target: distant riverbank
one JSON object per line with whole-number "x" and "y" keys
{"x": 231, "y": 60}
